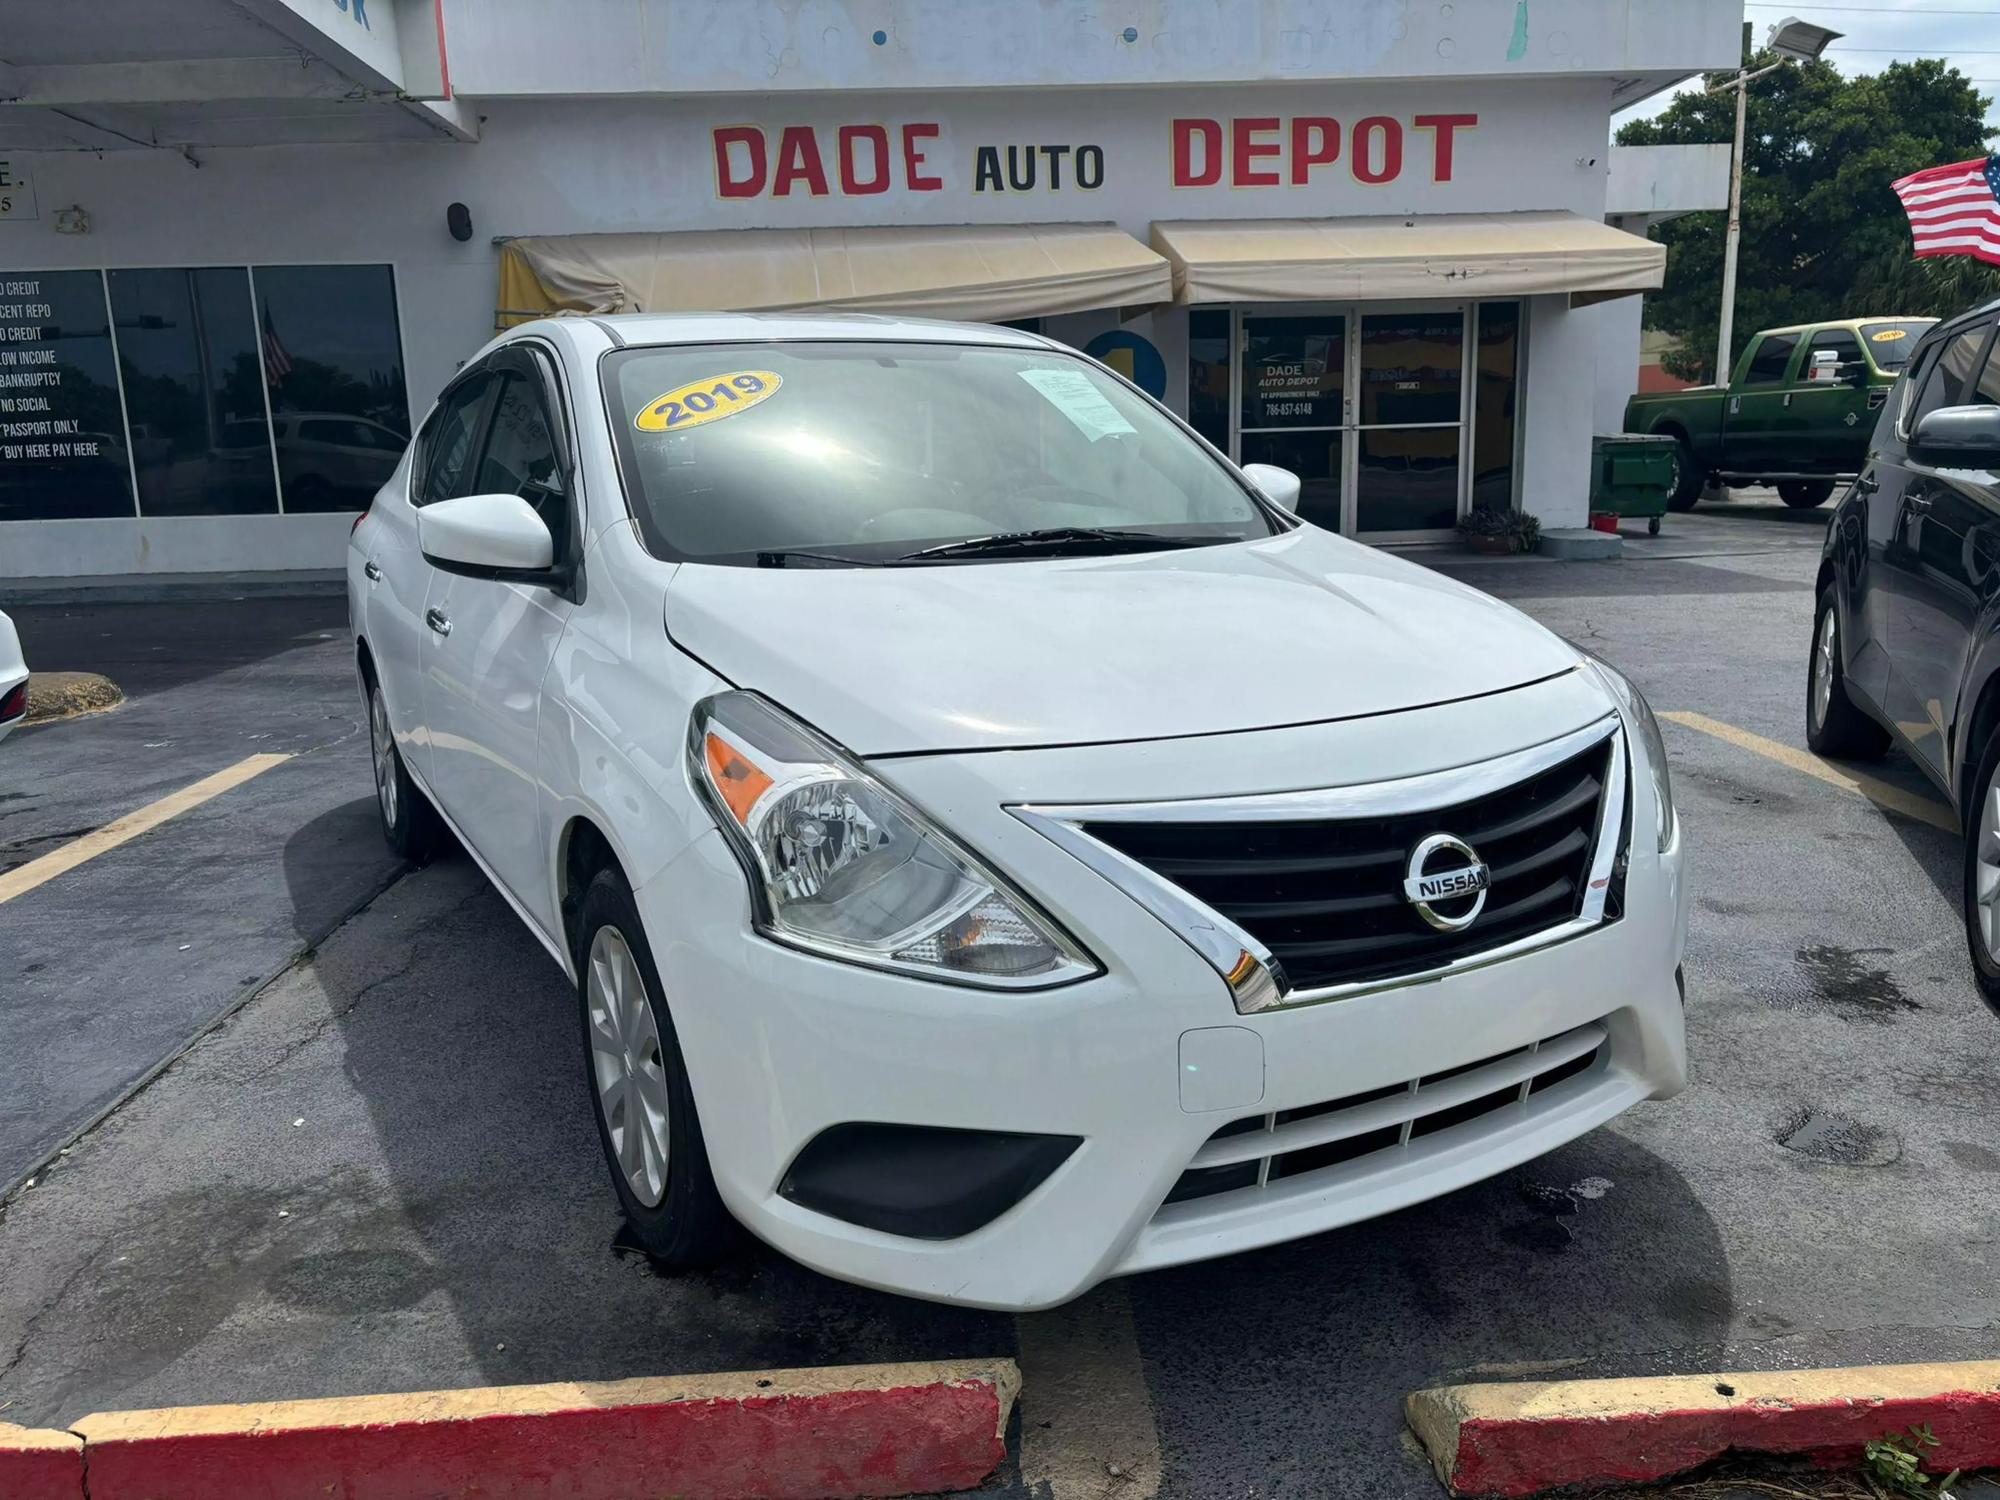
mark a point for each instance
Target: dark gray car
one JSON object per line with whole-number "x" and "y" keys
{"x": 1906, "y": 634}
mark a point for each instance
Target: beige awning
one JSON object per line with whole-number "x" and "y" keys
{"x": 1420, "y": 255}
{"x": 986, "y": 273}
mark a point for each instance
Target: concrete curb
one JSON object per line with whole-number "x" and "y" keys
{"x": 40, "y": 1465}
{"x": 1521, "y": 1439}
{"x": 857, "y": 1430}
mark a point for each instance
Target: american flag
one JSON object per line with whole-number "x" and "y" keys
{"x": 277, "y": 363}
{"x": 1954, "y": 210}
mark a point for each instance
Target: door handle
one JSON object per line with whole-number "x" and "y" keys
{"x": 373, "y": 569}
{"x": 435, "y": 618}
{"x": 1919, "y": 506}
{"x": 1788, "y": 398}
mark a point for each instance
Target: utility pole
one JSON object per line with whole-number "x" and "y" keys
{"x": 1793, "y": 40}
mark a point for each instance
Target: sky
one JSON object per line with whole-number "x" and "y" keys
{"x": 1879, "y": 32}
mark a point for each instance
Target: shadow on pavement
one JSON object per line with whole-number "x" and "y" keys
{"x": 334, "y": 865}
{"x": 149, "y": 648}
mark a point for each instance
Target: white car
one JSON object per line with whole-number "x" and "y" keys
{"x": 13, "y": 679}
{"x": 997, "y": 847}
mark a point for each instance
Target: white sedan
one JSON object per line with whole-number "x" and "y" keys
{"x": 13, "y": 679}
{"x": 996, "y": 845}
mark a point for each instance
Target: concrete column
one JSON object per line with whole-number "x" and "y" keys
{"x": 1558, "y": 403}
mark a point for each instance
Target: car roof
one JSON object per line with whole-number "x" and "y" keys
{"x": 1851, "y": 324}
{"x": 721, "y": 327}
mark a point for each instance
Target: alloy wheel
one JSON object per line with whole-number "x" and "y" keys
{"x": 382, "y": 744}
{"x": 628, "y": 1066}
{"x": 1825, "y": 662}
{"x": 1986, "y": 866}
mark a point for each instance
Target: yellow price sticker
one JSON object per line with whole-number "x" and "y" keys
{"x": 1888, "y": 335}
{"x": 700, "y": 402}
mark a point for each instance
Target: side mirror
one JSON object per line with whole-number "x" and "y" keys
{"x": 1279, "y": 486}
{"x": 1969, "y": 434}
{"x": 487, "y": 536}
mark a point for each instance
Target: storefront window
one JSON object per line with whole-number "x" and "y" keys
{"x": 1208, "y": 374}
{"x": 194, "y": 393}
{"x": 332, "y": 349}
{"x": 1496, "y": 382}
{"x": 62, "y": 448}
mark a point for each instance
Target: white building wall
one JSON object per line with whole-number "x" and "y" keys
{"x": 1617, "y": 360}
{"x": 1560, "y": 401}
{"x": 521, "y": 47}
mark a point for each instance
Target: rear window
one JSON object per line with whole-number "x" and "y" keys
{"x": 1891, "y": 344}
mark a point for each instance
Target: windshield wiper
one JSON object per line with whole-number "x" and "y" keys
{"x": 1056, "y": 538}
{"x": 799, "y": 557}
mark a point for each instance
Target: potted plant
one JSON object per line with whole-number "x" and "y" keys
{"x": 1493, "y": 530}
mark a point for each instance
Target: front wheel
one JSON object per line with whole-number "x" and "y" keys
{"x": 646, "y": 1118}
{"x": 1804, "y": 494}
{"x": 1982, "y": 872}
{"x": 1834, "y": 726}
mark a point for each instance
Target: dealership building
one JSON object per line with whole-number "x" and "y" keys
{"x": 1385, "y": 244}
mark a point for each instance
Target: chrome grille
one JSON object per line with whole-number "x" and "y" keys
{"x": 1324, "y": 896}
{"x": 1249, "y": 1153}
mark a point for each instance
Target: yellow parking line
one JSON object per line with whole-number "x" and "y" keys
{"x": 19, "y": 882}
{"x": 1894, "y": 798}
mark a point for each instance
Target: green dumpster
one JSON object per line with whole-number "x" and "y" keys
{"x": 1631, "y": 477}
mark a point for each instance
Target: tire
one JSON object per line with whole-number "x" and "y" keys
{"x": 1653, "y": 526}
{"x": 1688, "y": 477}
{"x": 1804, "y": 494}
{"x": 644, "y": 1106}
{"x": 410, "y": 824}
{"x": 1982, "y": 869}
{"x": 1834, "y": 726}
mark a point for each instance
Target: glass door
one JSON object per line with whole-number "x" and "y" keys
{"x": 1292, "y": 405}
{"x": 1409, "y": 422}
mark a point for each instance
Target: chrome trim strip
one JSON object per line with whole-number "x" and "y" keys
{"x": 1369, "y": 799}
{"x": 1255, "y": 978}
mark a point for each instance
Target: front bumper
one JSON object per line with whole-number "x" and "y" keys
{"x": 782, "y": 1045}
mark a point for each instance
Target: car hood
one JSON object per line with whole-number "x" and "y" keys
{"x": 1295, "y": 629}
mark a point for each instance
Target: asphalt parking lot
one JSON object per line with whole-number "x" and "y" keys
{"x": 380, "y": 1172}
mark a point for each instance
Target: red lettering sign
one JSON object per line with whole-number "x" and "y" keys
{"x": 1210, "y": 134}
{"x": 1315, "y": 142}
{"x": 798, "y": 158}
{"x": 1362, "y": 159}
{"x": 1445, "y": 127}
{"x": 851, "y": 180}
{"x": 751, "y": 183}
{"x": 913, "y": 159}
{"x": 1245, "y": 148}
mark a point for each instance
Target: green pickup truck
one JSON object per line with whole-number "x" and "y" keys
{"x": 1797, "y": 413}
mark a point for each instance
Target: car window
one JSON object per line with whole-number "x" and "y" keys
{"x": 1893, "y": 342}
{"x": 446, "y": 456}
{"x": 520, "y": 456}
{"x": 1953, "y": 377}
{"x": 870, "y": 451}
{"x": 1829, "y": 349}
{"x": 1770, "y": 358}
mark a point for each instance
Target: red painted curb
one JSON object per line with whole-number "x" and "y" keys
{"x": 787, "y": 1435}
{"x": 39, "y": 1465}
{"x": 1517, "y": 1440}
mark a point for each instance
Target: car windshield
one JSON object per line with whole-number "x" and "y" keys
{"x": 1892, "y": 343}
{"x": 851, "y": 452}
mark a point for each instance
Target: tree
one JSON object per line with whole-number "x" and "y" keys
{"x": 1823, "y": 237}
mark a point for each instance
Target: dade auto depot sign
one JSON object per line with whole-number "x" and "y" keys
{"x": 1297, "y": 151}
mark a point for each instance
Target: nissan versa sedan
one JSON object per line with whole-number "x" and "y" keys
{"x": 1906, "y": 633}
{"x": 995, "y": 844}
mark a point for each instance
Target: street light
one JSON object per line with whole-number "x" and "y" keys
{"x": 1794, "y": 41}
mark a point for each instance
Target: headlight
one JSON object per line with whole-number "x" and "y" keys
{"x": 1639, "y": 716}
{"x": 841, "y": 865}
